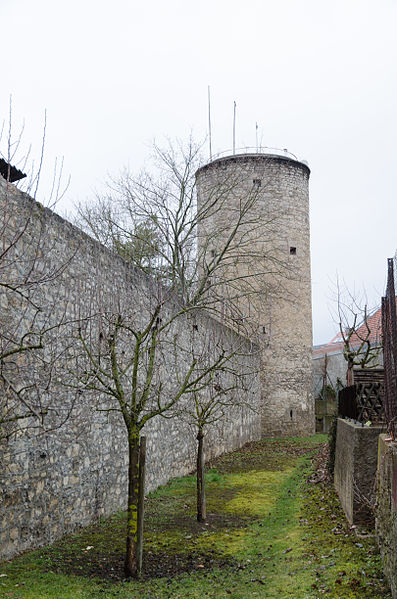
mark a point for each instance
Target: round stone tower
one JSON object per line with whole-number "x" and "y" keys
{"x": 268, "y": 195}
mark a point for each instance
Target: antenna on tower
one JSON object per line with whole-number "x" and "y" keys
{"x": 256, "y": 135}
{"x": 209, "y": 120}
{"x": 234, "y": 128}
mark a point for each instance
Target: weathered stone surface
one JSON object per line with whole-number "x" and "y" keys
{"x": 355, "y": 469}
{"x": 281, "y": 310}
{"x": 386, "y": 515}
{"x": 325, "y": 410}
{"x": 53, "y": 483}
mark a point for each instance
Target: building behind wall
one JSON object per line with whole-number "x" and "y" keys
{"x": 279, "y": 311}
{"x": 329, "y": 363}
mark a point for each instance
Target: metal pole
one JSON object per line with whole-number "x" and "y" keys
{"x": 209, "y": 121}
{"x": 234, "y": 129}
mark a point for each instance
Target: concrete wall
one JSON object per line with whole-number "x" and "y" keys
{"x": 54, "y": 482}
{"x": 336, "y": 369}
{"x": 326, "y": 409}
{"x": 386, "y": 517}
{"x": 280, "y": 312}
{"x": 355, "y": 469}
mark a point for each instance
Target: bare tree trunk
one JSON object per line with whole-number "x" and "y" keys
{"x": 131, "y": 560}
{"x": 141, "y": 501}
{"x": 349, "y": 374}
{"x": 201, "y": 503}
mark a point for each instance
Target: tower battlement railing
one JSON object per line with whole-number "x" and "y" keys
{"x": 249, "y": 150}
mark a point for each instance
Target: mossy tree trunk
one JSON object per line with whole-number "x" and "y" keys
{"x": 131, "y": 556}
{"x": 201, "y": 502}
{"x": 141, "y": 501}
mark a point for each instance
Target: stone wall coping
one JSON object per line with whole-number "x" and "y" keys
{"x": 360, "y": 426}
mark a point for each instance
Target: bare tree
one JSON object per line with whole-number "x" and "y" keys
{"x": 127, "y": 369}
{"x": 222, "y": 390}
{"x": 28, "y": 348}
{"x": 360, "y": 335}
{"x": 160, "y": 215}
{"x": 127, "y": 351}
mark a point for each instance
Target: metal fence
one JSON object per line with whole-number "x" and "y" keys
{"x": 389, "y": 334}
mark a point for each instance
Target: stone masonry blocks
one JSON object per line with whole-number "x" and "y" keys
{"x": 281, "y": 311}
{"x": 54, "y": 483}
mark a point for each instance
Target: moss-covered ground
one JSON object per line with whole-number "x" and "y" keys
{"x": 274, "y": 530}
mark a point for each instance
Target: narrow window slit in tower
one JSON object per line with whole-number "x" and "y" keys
{"x": 264, "y": 330}
{"x": 292, "y": 251}
{"x": 290, "y": 414}
{"x": 213, "y": 253}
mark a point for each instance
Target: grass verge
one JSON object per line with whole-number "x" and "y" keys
{"x": 270, "y": 533}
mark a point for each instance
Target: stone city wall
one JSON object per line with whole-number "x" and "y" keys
{"x": 52, "y": 483}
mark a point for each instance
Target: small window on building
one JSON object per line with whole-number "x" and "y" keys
{"x": 292, "y": 251}
{"x": 257, "y": 182}
{"x": 213, "y": 253}
{"x": 264, "y": 330}
{"x": 291, "y": 414}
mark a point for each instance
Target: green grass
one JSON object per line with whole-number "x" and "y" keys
{"x": 270, "y": 534}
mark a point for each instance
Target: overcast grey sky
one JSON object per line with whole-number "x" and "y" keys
{"x": 318, "y": 77}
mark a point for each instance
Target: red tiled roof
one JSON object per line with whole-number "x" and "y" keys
{"x": 327, "y": 348}
{"x": 374, "y": 322}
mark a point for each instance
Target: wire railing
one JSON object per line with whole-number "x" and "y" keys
{"x": 256, "y": 150}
